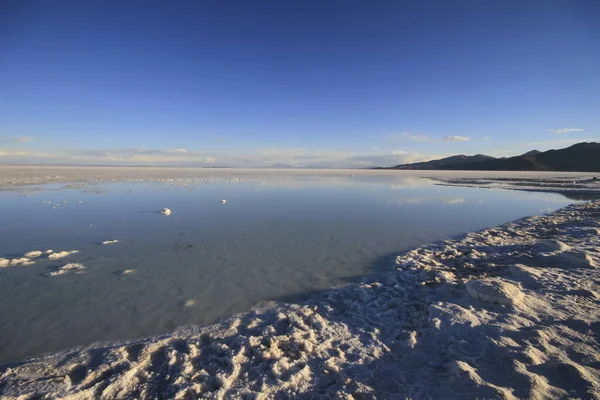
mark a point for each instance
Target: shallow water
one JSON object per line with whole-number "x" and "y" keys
{"x": 280, "y": 238}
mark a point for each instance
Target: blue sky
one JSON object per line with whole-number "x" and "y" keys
{"x": 323, "y": 83}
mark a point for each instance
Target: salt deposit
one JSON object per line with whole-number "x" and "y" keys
{"x": 496, "y": 314}
{"x": 22, "y": 261}
{"x": 33, "y": 254}
{"x": 68, "y": 268}
{"x": 165, "y": 211}
{"x": 4, "y": 262}
{"x": 110, "y": 241}
{"x": 61, "y": 254}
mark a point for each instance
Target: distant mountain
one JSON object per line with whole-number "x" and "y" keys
{"x": 584, "y": 157}
{"x": 445, "y": 162}
{"x": 531, "y": 153}
{"x": 279, "y": 166}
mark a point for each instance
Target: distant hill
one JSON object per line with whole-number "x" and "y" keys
{"x": 445, "y": 162}
{"x": 279, "y": 166}
{"x": 531, "y": 153}
{"x": 584, "y": 157}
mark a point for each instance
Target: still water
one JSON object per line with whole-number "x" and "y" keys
{"x": 274, "y": 239}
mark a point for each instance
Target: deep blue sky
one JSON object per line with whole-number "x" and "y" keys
{"x": 340, "y": 80}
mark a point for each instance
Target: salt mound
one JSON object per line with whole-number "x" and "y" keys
{"x": 4, "y": 262}
{"x": 33, "y": 254}
{"x": 165, "y": 211}
{"x": 495, "y": 290}
{"x": 578, "y": 259}
{"x": 62, "y": 254}
{"x": 553, "y": 245}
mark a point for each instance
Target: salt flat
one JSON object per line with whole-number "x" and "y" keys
{"x": 508, "y": 311}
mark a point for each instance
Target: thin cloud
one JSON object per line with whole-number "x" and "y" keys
{"x": 18, "y": 139}
{"x": 315, "y": 158}
{"x": 456, "y": 139}
{"x": 486, "y": 138}
{"x": 565, "y": 130}
{"x": 409, "y": 137}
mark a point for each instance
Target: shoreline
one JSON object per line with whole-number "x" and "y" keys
{"x": 511, "y": 311}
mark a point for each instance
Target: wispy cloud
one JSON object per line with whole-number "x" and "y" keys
{"x": 18, "y": 139}
{"x": 486, "y": 138}
{"x": 409, "y": 137}
{"x": 456, "y": 139}
{"x": 316, "y": 158}
{"x": 565, "y": 130}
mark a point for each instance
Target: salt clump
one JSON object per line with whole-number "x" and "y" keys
{"x": 165, "y": 211}
{"x": 62, "y": 254}
{"x": 20, "y": 261}
{"x": 495, "y": 291}
{"x": 67, "y": 268}
{"x": 32, "y": 254}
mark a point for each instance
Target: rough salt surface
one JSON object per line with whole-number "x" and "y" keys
{"x": 415, "y": 332}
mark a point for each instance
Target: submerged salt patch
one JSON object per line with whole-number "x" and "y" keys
{"x": 33, "y": 254}
{"x": 20, "y": 261}
{"x": 62, "y": 254}
{"x": 68, "y": 268}
{"x": 495, "y": 290}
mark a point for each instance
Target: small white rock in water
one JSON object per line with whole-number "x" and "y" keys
{"x": 165, "y": 211}
{"x": 224, "y": 201}
{"x": 189, "y": 303}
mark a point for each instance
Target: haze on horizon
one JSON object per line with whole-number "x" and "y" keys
{"x": 307, "y": 83}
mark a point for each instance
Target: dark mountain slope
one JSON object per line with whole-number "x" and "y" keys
{"x": 579, "y": 157}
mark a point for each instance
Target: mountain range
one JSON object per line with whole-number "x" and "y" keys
{"x": 584, "y": 157}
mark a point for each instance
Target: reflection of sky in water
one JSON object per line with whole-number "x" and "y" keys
{"x": 274, "y": 239}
